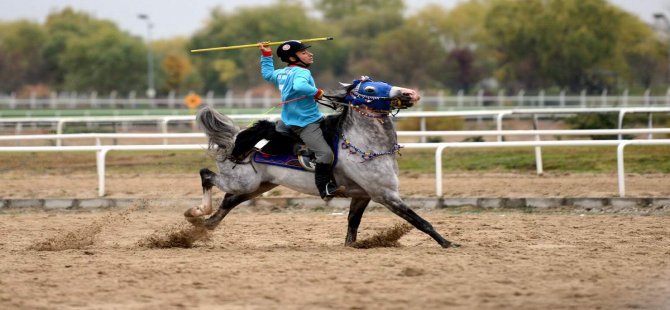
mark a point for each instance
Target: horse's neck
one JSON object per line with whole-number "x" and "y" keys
{"x": 369, "y": 133}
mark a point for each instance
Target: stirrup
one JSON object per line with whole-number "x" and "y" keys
{"x": 331, "y": 191}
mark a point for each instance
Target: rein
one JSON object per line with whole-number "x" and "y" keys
{"x": 277, "y": 105}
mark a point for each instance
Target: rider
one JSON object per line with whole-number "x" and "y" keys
{"x": 300, "y": 112}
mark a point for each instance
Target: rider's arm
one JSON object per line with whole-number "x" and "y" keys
{"x": 303, "y": 87}
{"x": 267, "y": 64}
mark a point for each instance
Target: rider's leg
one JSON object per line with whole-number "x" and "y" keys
{"x": 323, "y": 176}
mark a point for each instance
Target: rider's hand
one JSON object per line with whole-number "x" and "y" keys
{"x": 319, "y": 94}
{"x": 265, "y": 48}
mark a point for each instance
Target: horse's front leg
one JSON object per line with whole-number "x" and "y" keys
{"x": 397, "y": 206}
{"x": 356, "y": 209}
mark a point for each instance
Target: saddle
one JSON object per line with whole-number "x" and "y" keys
{"x": 269, "y": 146}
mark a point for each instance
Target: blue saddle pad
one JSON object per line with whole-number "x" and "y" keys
{"x": 288, "y": 161}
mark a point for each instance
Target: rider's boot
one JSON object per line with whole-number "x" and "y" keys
{"x": 324, "y": 181}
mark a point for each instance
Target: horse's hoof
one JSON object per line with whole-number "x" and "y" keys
{"x": 196, "y": 221}
{"x": 451, "y": 245}
{"x": 198, "y": 211}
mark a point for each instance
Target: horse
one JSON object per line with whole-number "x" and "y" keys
{"x": 366, "y": 165}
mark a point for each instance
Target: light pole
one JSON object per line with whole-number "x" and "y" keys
{"x": 151, "y": 90}
{"x": 664, "y": 19}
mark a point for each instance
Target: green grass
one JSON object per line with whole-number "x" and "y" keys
{"x": 638, "y": 159}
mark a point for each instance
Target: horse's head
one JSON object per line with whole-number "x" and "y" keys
{"x": 379, "y": 95}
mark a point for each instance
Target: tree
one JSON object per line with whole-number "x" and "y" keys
{"x": 175, "y": 69}
{"x": 570, "y": 43}
{"x": 84, "y": 53}
{"x": 464, "y": 39}
{"x": 405, "y": 56}
{"x": 20, "y": 61}
{"x": 108, "y": 61}
{"x": 177, "y": 72}
{"x": 280, "y": 21}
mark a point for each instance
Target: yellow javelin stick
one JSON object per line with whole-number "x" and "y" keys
{"x": 224, "y": 48}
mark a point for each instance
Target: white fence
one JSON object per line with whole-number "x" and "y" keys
{"x": 102, "y": 150}
{"x": 497, "y": 115}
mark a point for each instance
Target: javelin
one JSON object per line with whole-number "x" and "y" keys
{"x": 224, "y": 48}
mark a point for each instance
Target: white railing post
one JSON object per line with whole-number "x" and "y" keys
{"x": 540, "y": 99}
{"x": 603, "y": 98}
{"x": 33, "y": 100}
{"x": 12, "y": 101}
{"x": 459, "y": 99}
{"x": 131, "y": 99}
{"x": 499, "y": 123}
{"x": 170, "y": 99}
{"x": 620, "y": 169}
{"x": 164, "y": 128}
{"x": 622, "y": 113}
{"x": 422, "y": 125}
{"x": 52, "y": 99}
{"x": 100, "y": 165}
{"x": 650, "y": 125}
{"x": 112, "y": 99}
{"x": 247, "y": 99}
{"x": 267, "y": 102}
{"x": 93, "y": 98}
{"x": 538, "y": 150}
{"x": 229, "y": 98}
{"x": 210, "y": 98}
{"x": 561, "y": 98}
{"x": 519, "y": 98}
{"x": 480, "y": 98}
{"x": 438, "y": 170}
{"x": 647, "y": 93}
{"x": 501, "y": 95}
{"x": 582, "y": 98}
{"x": 625, "y": 98}
{"x": 59, "y": 130}
{"x": 441, "y": 102}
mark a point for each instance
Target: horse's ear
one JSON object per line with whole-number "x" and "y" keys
{"x": 335, "y": 94}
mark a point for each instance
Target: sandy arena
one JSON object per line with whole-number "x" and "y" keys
{"x": 265, "y": 258}
{"x": 295, "y": 259}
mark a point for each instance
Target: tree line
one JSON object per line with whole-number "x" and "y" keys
{"x": 479, "y": 44}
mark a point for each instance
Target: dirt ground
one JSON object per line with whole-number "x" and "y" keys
{"x": 294, "y": 259}
{"x": 85, "y": 185}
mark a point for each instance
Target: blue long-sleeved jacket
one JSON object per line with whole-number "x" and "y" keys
{"x": 293, "y": 82}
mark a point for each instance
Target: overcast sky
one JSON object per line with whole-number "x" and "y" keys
{"x": 182, "y": 18}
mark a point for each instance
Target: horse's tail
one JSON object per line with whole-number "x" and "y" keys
{"x": 220, "y": 131}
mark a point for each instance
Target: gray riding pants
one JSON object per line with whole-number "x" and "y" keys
{"x": 313, "y": 138}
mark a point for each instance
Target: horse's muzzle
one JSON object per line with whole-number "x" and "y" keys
{"x": 408, "y": 97}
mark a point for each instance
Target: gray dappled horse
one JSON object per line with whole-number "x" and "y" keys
{"x": 364, "y": 124}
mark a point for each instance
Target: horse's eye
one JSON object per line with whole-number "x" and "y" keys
{"x": 369, "y": 89}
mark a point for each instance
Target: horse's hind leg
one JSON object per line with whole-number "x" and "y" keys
{"x": 397, "y": 206}
{"x": 356, "y": 209}
{"x": 205, "y": 208}
{"x": 230, "y": 201}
